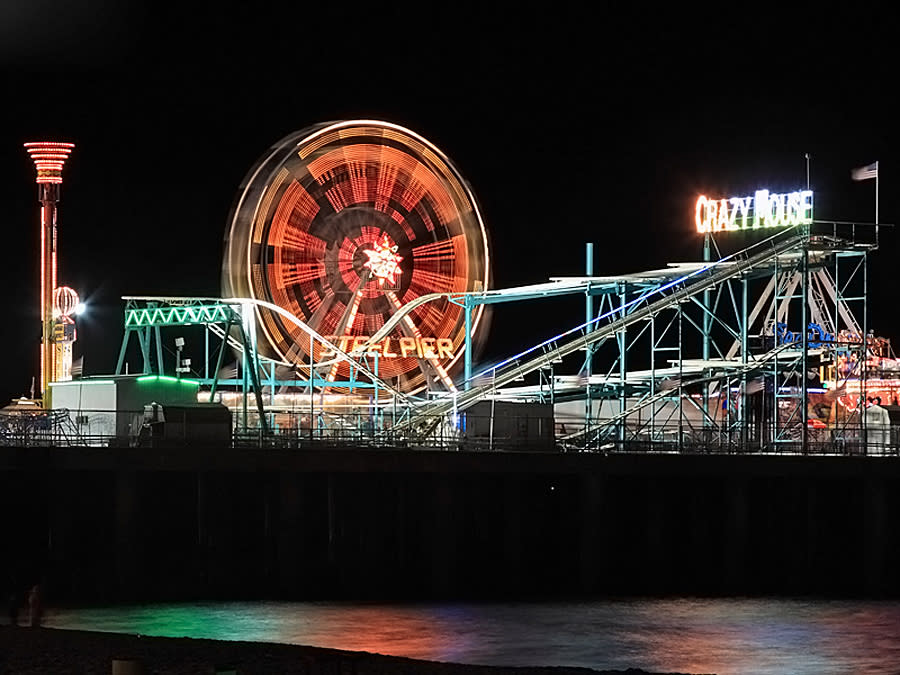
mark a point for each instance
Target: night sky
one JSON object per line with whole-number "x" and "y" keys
{"x": 569, "y": 127}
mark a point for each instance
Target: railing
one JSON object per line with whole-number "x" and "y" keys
{"x": 844, "y": 235}
{"x": 469, "y": 432}
{"x": 37, "y": 427}
{"x": 752, "y": 439}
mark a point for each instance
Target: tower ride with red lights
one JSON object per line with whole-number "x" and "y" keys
{"x": 49, "y": 159}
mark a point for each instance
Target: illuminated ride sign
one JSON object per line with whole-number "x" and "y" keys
{"x": 763, "y": 209}
{"x": 816, "y": 336}
{"x": 392, "y": 348}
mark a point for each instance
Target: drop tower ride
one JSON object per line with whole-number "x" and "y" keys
{"x": 49, "y": 158}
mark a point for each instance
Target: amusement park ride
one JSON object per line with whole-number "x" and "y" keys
{"x": 356, "y": 290}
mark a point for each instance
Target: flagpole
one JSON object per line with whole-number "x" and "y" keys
{"x": 876, "y": 202}
{"x": 807, "y": 169}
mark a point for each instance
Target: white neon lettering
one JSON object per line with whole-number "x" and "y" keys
{"x": 806, "y": 207}
{"x": 735, "y": 207}
{"x": 388, "y": 354}
{"x": 421, "y": 347}
{"x": 407, "y": 345}
{"x": 745, "y": 211}
{"x": 445, "y": 348}
{"x": 428, "y": 347}
{"x": 793, "y": 207}
{"x": 722, "y": 219}
{"x": 699, "y": 215}
{"x": 760, "y": 208}
{"x": 770, "y": 209}
{"x": 709, "y": 214}
{"x": 358, "y": 343}
{"x": 780, "y": 219}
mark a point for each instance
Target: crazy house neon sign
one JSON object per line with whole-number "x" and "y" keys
{"x": 763, "y": 209}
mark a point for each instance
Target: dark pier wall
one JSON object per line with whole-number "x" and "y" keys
{"x": 100, "y": 525}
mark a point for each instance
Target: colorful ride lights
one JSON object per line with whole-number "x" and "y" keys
{"x": 66, "y": 302}
{"x": 763, "y": 209}
{"x": 49, "y": 158}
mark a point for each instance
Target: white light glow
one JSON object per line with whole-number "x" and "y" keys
{"x": 769, "y": 210}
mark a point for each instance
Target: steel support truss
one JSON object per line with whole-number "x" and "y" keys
{"x": 719, "y": 356}
{"x": 231, "y": 323}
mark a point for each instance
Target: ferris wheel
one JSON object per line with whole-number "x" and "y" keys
{"x": 344, "y": 223}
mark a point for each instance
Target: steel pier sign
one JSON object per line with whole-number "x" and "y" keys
{"x": 764, "y": 209}
{"x": 392, "y": 348}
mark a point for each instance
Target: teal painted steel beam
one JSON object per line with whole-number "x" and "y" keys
{"x": 178, "y": 316}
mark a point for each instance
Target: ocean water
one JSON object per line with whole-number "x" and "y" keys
{"x": 691, "y": 635}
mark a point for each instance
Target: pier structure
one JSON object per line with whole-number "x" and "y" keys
{"x": 357, "y": 289}
{"x": 765, "y": 349}
{"x": 698, "y": 356}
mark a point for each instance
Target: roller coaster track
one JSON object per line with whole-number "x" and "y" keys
{"x": 581, "y": 337}
{"x": 341, "y": 355}
{"x": 322, "y": 340}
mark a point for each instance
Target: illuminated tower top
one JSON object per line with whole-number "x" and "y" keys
{"x": 48, "y": 159}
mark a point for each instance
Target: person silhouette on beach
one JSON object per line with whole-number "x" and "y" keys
{"x": 35, "y": 607}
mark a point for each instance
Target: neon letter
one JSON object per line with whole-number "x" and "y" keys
{"x": 806, "y": 207}
{"x": 761, "y": 208}
{"x": 358, "y": 343}
{"x": 407, "y": 345}
{"x": 793, "y": 208}
{"x": 388, "y": 354}
{"x": 735, "y": 207}
{"x": 445, "y": 347}
{"x": 428, "y": 348}
{"x": 745, "y": 210}
{"x": 700, "y": 213}
{"x": 722, "y": 218}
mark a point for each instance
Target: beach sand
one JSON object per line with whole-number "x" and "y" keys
{"x": 52, "y": 651}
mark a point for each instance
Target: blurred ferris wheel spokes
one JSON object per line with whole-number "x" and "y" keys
{"x": 342, "y": 225}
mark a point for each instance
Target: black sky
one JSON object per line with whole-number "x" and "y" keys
{"x": 571, "y": 126}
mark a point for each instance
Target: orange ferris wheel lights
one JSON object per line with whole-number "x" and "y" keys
{"x": 343, "y": 224}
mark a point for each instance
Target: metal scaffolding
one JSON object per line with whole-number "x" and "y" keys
{"x": 718, "y": 355}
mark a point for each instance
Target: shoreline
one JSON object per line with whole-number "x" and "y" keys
{"x": 54, "y": 650}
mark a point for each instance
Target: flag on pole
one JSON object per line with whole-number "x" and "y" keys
{"x": 77, "y": 367}
{"x": 229, "y": 372}
{"x": 865, "y": 172}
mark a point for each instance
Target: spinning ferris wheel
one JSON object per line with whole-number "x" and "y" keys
{"x": 344, "y": 223}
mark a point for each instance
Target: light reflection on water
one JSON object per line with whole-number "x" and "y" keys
{"x": 756, "y": 636}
